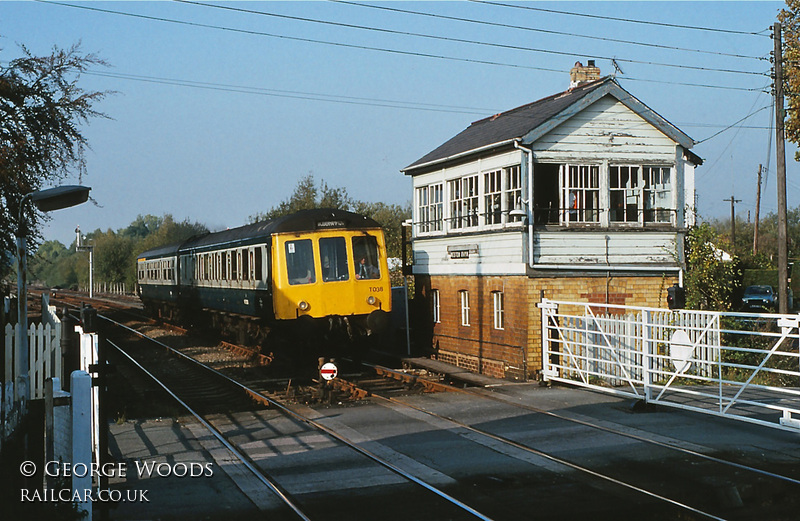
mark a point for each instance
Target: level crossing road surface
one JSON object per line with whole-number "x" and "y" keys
{"x": 312, "y": 466}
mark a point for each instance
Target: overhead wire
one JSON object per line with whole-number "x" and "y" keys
{"x": 333, "y": 98}
{"x": 300, "y": 39}
{"x": 362, "y": 47}
{"x": 769, "y": 142}
{"x": 619, "y": 19}
{"x": 732, "y": 125}
{"x": 434, "y": 107}
{"x": 463, "y": 40}
{"x": 365, "y": 101}
{"x": 546, "y": 31}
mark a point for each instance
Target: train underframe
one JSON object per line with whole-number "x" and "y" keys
{"x": 303, "y": 339}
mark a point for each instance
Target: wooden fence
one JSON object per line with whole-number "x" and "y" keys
{"x": 44, "y": 348}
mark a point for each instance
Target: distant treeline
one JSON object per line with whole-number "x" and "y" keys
{"x": 115, "y": 252}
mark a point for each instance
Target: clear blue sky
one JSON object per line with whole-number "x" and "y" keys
{"x": 283, "y": 106}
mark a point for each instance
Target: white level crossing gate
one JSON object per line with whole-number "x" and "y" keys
{"x": 744, "y": 366}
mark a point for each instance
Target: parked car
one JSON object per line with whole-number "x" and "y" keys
{"x": 759, "y": 298}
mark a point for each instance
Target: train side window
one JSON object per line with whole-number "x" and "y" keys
{"x": 300, "y": 262}
{"x": 333, "y": 252}
{"x": 365, "y": 254}
{"x": 234, "y": 265}
{"x": 251, "y": 255}
{"x": 259, "y": 264}
{"x": 245, "y": 266}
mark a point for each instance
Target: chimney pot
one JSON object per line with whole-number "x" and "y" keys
{"x": 580, "y": 75}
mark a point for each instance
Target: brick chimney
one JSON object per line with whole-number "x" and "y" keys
{"x": 580, "y": 75}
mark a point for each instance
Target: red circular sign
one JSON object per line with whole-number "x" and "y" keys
{"x": 329, "y": 371}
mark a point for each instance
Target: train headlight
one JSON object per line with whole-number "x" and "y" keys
{"x": 303, "y": 305}
{"x": 371, "y": 300}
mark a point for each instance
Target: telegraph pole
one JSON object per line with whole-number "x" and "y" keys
{"x": 758, "y": 210}
{"x": 780, "y": 151}
{"x": 733, "y": 220}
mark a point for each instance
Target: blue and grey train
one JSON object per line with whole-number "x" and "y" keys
{"x": 323, "y": 271}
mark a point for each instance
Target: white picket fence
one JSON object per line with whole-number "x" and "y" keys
{"x": 44, "y": 348}
{"x": 113, "y": 288}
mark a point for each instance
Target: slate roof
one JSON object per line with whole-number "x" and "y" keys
{"x": 516, "y": 123}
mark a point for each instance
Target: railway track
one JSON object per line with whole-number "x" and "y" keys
{"x": 700, "y": 467}
{"x": 662, "y": 442}
{"x": 183, "y": 386}
{"x": 696, "y": 470}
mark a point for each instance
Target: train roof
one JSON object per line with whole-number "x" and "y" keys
{"x": 302, "y": 221}
{"x": 162, "y": 251}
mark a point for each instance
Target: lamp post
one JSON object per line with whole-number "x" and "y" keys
{"x": 46, "y": 201}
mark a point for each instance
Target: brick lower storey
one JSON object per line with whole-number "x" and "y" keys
{"x": 509, "y": 346}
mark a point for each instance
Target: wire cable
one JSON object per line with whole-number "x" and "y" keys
{"x": 301, "y": 39}
{"x": 618, "y": 19}
{"x": 733, "y": 124}
{"x": 333, "y": 98}
{"x": 463, "y": 40}
{"x": 546, "y": 31}
{"x": 360, "y": 47}
{"x": 337, "y": 98}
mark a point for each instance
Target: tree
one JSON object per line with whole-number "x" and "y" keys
{"x": 41, "y": 110}
{"x": 307, "y": 196}
{"x": 710, "y": 279}
{"x": 143, "y": 226}
{"x": 790, "y": 21}
{"x": 390, "y": 217}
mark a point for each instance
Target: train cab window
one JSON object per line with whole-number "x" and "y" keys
{"x": 333, "y": 252}
{"x": 365, "y": 254}
{"x": 300, "y": 262}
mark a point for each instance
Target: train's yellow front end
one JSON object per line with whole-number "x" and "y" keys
{"x": 332, "y": 274}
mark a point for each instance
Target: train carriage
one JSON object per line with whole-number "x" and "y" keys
{"x": 321, "y": 270}
{"x": 157, "y": 275}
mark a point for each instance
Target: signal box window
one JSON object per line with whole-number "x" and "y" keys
{"x": 464, "y": 298}
{"x": 657, "y": 194}
{"x": 624, "y": 188}
{"x": 365, "y": 254}
{"x": 333, "y": 252}
{"x": 300, "y": 262}
{"x": 580, "y": 194}
{"x": 498, "y": 301}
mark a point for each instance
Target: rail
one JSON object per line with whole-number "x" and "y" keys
{"x": 316, "y": 425}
